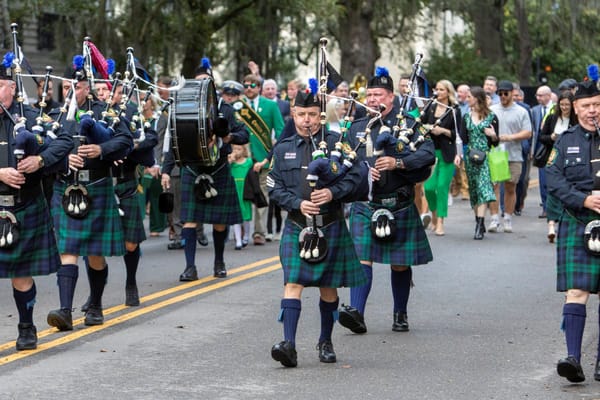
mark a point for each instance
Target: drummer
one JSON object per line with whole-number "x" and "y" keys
{"x": 221, "y": 210}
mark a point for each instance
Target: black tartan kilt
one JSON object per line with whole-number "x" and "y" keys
{"x": 409, "y": 247}
{"x": 98, "y": 234}
{"x": 35, "y": 253}
{"x": 130, "y": 204}
{"x": 222, "y": 209}
{"x": 341, "y": 267}
{"x": 575, "y": 268}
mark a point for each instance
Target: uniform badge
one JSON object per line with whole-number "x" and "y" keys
{"x": 334, "y": 167}
{"x": 400, "y": 146}
{"x": 552, "y": 157}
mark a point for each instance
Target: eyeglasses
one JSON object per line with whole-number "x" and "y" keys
{"x": 250, "y": 85}
{"x": 504, "y": 93}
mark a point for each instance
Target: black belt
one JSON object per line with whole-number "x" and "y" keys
{"x": 322, "y": 219}
{"x": 87, "y": 175}
{"x": 397, "y": 199}
{"x": 126, "y": 176}
{"x": 25, "y": 195}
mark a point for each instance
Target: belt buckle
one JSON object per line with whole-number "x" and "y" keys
{"x": 83, "y": 175}
{"x": 7, "y": 200}
{"x": 318, "y": 220}
{"x": 389, "y": 202}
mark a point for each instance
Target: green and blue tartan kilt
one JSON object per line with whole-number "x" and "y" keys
{"x": 35, "y": 253}
{"x": 132, "y": 221}
{"x": 575, "y": 268}
{"x": 341, "y": 267}
{"x": 98, "y": 234}
{"x": 222, "y": 209}
{"x": 409, "y": 247}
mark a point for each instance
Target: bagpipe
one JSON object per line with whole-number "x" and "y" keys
{"x": 328, "y": 166}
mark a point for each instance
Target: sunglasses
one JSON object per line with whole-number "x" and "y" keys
{"x": 504, "y": 93}
{"x": 250, "y": 85}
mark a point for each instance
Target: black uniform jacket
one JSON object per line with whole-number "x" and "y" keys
{"x": 416, "y": 163}
{"x": 569, "y": 175}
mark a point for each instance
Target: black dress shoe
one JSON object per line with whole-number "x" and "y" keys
{"x": 132, "y": 298}
{"x": 27, "y": 339}
{"x": 285, "y": 353}
{"x": 190, "y": 274}
{"x": 350, "y": 317}
{"x": 175, "y": 245}
{"x": 202, "y": 240}
{"x": 94, "y": 316}
{"x": 400, "y": 323}
{"x": 219, "y": 270}
{"x": 86, "y": 305}
{"x": 326, "y": 353}
{"x": 61, "y": 319}
{"x": 571, "y": 369}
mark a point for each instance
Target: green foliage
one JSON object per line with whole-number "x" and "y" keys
{"x": 462, "y": 64}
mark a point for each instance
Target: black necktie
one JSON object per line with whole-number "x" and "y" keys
{"x": 4, "y": 143}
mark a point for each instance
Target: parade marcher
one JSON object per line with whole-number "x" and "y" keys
{"x": 444, "y": 117}
{"x": 572, "y": 177}
{"x": 288, "y": 186}
{"x": 479, "y": 131}
{"x": 220, "y": 211}
{"x": 94, "y": 230}
{"x": 393, "y": 190}
{"x": 32, "y": 250}
{"x": 261, "y": 144}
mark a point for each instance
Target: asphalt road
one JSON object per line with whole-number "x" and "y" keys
{"x": 484, "y": 318}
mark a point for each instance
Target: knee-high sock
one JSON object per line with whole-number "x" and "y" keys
{"x": 401, "y": 289}
{"x": 189, "y": 235}
{"x": 25, "y": 302}
{"x": 573, "y": 324}
{"x": 237, "y": 232}
{"x": 219, "y": 239}
{"x": 246, "y": 226}
{"x": 290, "y": 315}
{"x": 359, "y": 294}
{"x": 328, "y": 317}
{"x": 132, "y": 260}
{"x": 66, "y": 278}
{"x": 97, "y": 283}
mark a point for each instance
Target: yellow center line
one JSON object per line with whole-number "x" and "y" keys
{"x": 162, "y": 293}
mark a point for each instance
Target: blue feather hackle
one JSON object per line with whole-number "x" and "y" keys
{"x": 313, "y": 85}
{"x": 78, "y": 62}
{"x": 110, "y": 66}
{"x": 592, "y": 71}
{"x": 8, "y": 59}
{"x": 382, "y": 71}
{"x": 205, "y": 62}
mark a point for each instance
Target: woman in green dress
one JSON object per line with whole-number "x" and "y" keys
{"x": 479, "y": 131}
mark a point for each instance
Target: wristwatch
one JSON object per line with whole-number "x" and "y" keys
{"x": 41, "y": 161}
{"x": 399, "y": 164}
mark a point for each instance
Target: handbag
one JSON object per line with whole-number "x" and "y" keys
{"x": 498, "y": 162}
{"x": 542, "y": 153}
{"x": 476, "y": 156}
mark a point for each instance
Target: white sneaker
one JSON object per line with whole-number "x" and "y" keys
{"x": 507, "y": 225}
{"x": 277, "y": 236}
{"x": 494, "y": 226}
{"x": 269, "y": 237}
{"x": 450, "y": 200}
{"x": 426, "y": 219}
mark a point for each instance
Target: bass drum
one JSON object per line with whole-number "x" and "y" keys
{"x": 193, "y": 138}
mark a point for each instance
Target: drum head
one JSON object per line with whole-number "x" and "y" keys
{"x": 193, "y": 122}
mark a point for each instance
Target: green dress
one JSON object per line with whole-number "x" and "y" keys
{"x": 481, "y": 189}
{"x": 239, "y": 172}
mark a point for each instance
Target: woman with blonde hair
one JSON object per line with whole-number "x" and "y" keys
{"x": 443, "y": 118}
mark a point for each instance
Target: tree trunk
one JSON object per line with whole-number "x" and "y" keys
{"x": 487, "y": 19}
{"x": 525, "y": 46}
{"x": 359, "y": 48}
